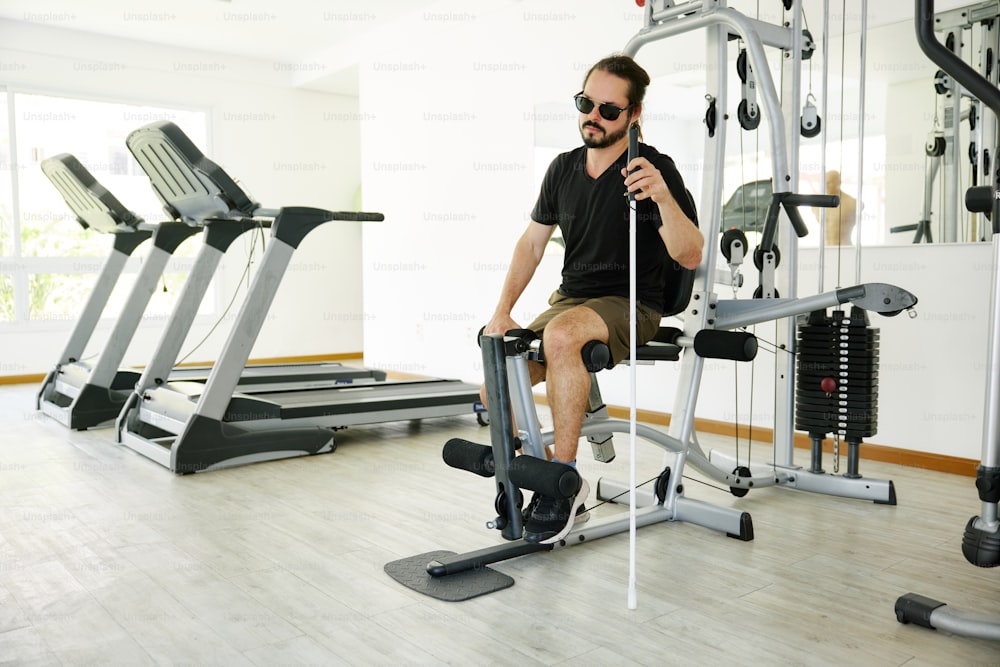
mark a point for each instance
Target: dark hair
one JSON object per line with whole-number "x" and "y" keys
{"x": 626, "y": 68}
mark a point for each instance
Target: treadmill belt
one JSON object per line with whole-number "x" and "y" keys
{"x": 372, "y": 398}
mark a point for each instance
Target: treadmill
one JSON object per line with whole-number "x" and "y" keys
{"x": 80, "y": 394}
{"x": 190, "y": 427}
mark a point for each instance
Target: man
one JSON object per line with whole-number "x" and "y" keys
{"x": 584, "y": 193}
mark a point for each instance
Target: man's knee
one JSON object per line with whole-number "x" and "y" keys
{"x": 560, "y": 343}
{"x": 564, "y": 338}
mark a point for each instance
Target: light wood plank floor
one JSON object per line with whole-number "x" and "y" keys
{"x": 107, "y": 558}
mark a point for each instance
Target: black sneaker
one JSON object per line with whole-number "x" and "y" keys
{"x": 551, "y": 519}
{"x": 529, "y": 509}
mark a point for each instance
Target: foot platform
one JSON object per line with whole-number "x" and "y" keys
{"x": 414, "y": 573}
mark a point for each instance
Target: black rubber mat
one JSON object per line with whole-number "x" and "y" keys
{"x": 412, "y": 573}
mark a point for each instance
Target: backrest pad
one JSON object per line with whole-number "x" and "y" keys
{"x": 679, "y": 282}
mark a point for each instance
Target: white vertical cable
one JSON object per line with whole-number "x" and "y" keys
{"x": 824, "y": 128}
{"x": 859, "y": 209}
{"x": 632, "y": 601}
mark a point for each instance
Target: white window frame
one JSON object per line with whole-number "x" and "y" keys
{"x": 20, "y": 267}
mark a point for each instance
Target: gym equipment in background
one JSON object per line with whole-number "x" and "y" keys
{"x": 981, "y": 539}
{"x": 66, "y": 393}
{"x": 970, "y": 33}
{"x": 934, "y": 150}
{"x": 189, "y": 427}
{"x": 81, "y": 394}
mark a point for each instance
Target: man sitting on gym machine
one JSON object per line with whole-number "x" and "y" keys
{"x": 583, "y": 193}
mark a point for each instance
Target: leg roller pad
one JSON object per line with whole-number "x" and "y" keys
{"x": 470, "y": 456}
{"x": 596, "y": 356}
{"x": 735, "y": 345}
{"x": 549, "y": 478}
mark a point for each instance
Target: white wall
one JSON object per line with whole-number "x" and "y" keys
{"x": 287, "y": 146}
{"x": 448, "y": 122}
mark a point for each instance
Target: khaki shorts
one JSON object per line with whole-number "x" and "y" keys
{"x": 614, "y": 311}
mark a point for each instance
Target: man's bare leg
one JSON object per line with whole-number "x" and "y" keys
{"x": 567, "y": 380}
{"x": 536, "y": 372}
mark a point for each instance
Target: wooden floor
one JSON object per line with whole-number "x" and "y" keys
{"x": 107, "y": 558}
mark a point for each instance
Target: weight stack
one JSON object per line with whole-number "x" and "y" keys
{"x": 837, "y": 381}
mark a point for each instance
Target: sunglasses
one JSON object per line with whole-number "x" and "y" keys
{"x": 608, "y": 111}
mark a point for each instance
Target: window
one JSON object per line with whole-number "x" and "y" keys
{"x": 48, "y": 262}
{"x": 7, "y": 251}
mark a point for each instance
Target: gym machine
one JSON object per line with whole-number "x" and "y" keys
{"x": 974, "y": 25}
{"x": 712, "y": 328}
{"x": 723, "y": 24}
{"x": 190, "y": 427}
{"x": 80, "y": 394}
{"x": 981, "y": 540}
{"x": 66, "y": 393}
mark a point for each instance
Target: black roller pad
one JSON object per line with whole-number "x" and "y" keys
{"x": 412, "y": 573}
{"x": 549, "y": 478}
{"x": 735, "y": 345}
{"x": 470, "y": 456}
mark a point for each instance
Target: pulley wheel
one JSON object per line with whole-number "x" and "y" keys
{"x": 740, "y": 471}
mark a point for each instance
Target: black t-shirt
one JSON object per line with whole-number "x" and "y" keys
{"x": 593, "y": 215}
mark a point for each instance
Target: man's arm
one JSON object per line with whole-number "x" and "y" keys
{"x": 682, "y": 238}
{"x": 680, "y": 235}
{"x": 528, "y": 254}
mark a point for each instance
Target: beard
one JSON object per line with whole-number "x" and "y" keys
{"x": 603, "y": 139}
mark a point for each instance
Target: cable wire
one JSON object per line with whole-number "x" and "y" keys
{"x": 232, "y": 300}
